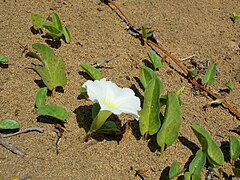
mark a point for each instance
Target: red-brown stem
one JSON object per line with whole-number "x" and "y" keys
{"x": 183, "y": 68}
{"x": 122, "y": 13}
{"x": 194, "y": 81}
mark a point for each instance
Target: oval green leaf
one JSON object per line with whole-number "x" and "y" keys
{"x": 53, "y": 111}
{"x": 46, "y": 52}
{"x": 155, "y": 59}
{"x": 40, "y": 99}
{"x": 149, "y": 121}
{"x": 37, "y": 21}
{"x": 168, "y": 133}
{"x": 146, "y": 75}
{"x": 94, "y": 73}
{"x": 209, "y": 146}
{"x": 174, "y": 170}
{"x": 53, "y": 31}
{"x": 9, "y": 124}
{"x": 3, "y": 59}
{"x": 210, "y": 74}
{"x": 67, "y": 35}
{"x": 229, "y": 85}
{"x": 109, "y": 126}
{"x": 198, "y": 163}
{"x": 234, "y": 147}
{"x": 57, "y": 22}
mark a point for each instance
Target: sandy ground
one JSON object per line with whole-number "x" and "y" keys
{"x": 183, "y": 27}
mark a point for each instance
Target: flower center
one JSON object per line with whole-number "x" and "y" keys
{"x": 110, "y": 104}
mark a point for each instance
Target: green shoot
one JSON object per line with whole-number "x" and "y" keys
{"x": 210, "y": 74}
{"x": 52, "y": 71}
{"x": 56, "y": 30}
{"x": 235, "y": 16}
{"x": 3, "y": 59}
{"x": 37, "y": 21}
{"x": 146, "y": 34}
{"x": 230, "y": 86}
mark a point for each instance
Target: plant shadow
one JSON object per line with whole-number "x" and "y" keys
{"x": 84, "y": 120}
{"x": 4, "y": 66}
{"x": 48, "y": 119}
{"x": 34, "y": 31}
{"x": 53, "y": 43}
{"x": 85, "y": 75}
{"x": 164, "y": 174}
{"x": 148, "y": 64}
{"x": 190, "y": 145}
{"x": 153, "y": 145}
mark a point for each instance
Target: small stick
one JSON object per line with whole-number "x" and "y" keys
{"x": 194, "y": 81}
{"x": 22, "y": 131}
{"x": 11, "y": 148}
{"x": 181, "y": 66}
{"x": 116, "y": 6}
{"x": 104, "y": 62}
{"x": 189, "y": 57}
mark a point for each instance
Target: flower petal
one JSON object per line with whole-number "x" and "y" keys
{"x": 113, "y": 98}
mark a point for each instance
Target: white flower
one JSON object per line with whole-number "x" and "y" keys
{"x": 113, "y": 98}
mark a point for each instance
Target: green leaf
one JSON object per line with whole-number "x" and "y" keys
{"x": 67, "y": 35}
{"x": 99, "y": 120}
{"x": 174, "y": 170}
{"x": 196, "y": 177}
{"x": 53, "y": 31}
{"x": 53, "y": 111}
{"x": 9, "y": 124}
{"x": 95, "y": 110}
{"x": 52, "y": 72}
{"x": 46, "y": 52}
{"x": 236, "y": 172}
{"x": 40, "y": 99}
{"x": 193, "y": 72}
{"x": 146, "y": 33}
{"x": 168, "y": 133}
{"x": 210, "y": 74}
{"x": 83, "y": 92}
{"x": 149, "y": 121}
{"x": 209, "y": 146}
{"x": 3, "y": 59}
{"x": 146, "y": 75}
{"x": 56, "y": 22}
{"x": 187, "y": 176}
{"x": 230, "y": 86}
{"x": 234, "y": 147}
{"x": 94, "y": 73}
{"x": 155, "y": 59}
{"x": 109, "y": 126}
{"x": 235, "y": 16}
{"x": 34, "y": 55}
{"x": 37, "y": 21}
{"x": 198, "y": 163}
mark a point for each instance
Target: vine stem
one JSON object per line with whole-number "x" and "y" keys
{"x": 194, "y": 81}
{"x": 182, "y": 67}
